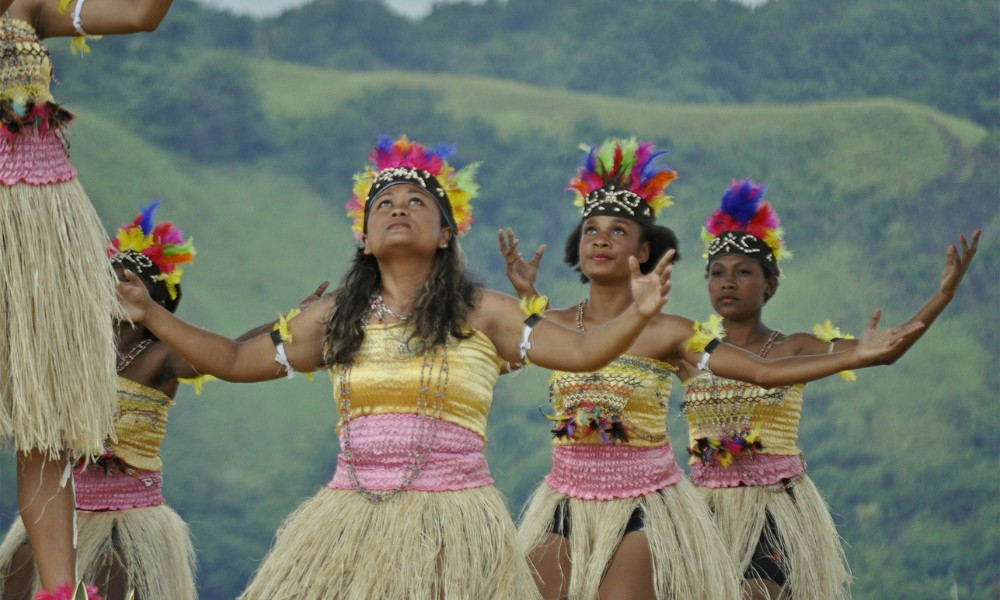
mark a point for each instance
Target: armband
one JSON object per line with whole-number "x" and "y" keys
{"x": 706, "y": 353}
{"x": 280, "y": 357}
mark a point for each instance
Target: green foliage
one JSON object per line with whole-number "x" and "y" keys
{"x": 253, "y": 157}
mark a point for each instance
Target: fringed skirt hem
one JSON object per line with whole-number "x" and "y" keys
{"x": 683, "y": 541}
{"x": 796, "y": 521}
{"x": 151, "y": 546}
{"x": 338, "y": 545}
{"x": 57, "y": 302}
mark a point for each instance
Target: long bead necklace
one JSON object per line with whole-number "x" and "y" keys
{"x": 425, "y": 425}
{"x": 126, "y": 360}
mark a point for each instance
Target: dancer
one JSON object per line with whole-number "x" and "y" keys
{"x": 414, "y": 349}
{"x": 56, "y": 367}
{"x": 743, "y": 436}
{"x": 130, "y": 540}
{"x": 616, "y": 518}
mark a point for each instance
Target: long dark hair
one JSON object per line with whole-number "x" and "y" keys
{"x": 441, "y": 310}
{"x": 660, "y": 240}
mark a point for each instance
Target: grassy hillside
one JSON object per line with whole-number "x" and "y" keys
{"x": 870, "y": 193}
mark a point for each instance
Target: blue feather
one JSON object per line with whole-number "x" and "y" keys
{"x": 146, "y": 223}
{"x": 741, "y": 200}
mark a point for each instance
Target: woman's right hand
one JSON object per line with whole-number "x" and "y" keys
{"x": 133, "y": 296}
{"x": 522, "y": 275}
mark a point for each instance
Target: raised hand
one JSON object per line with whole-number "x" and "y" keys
{"x": 320, "y": 290}
{"x": 522, "y": 275}
{"x": 876, "y": 344}
{"x": 957, "y": 264}
{"x": 650, "y": 291}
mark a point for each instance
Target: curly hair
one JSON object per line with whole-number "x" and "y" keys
{"x": 441, "y": 310}
{"x": 660, "y": 240}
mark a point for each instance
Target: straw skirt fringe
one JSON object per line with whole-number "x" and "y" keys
{"x": 814, "y": 559}
{"x": 151, "y": 545}
{"x": 426, "y": 545}
{"x": 57, "y": 301}
{"x": 683, "y": 541}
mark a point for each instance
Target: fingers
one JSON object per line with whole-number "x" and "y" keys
{"x": 873, "y": 321}
{"x": 537, "y": 259}
{"x": 322, "y": 288}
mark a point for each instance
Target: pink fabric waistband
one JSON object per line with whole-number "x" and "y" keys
{"x": 599, "y": 472}
{"x": 755, "y": 470}
{"x": 114, "y": 490}
{"x": 34, "y": 159}
{"x": 383, "y": 447}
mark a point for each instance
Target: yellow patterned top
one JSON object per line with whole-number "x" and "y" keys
{"x": 385, "y": 378}
{"x": 26, "y": 66}
{"x": 140, "y": 425}
{"x": 717, "y": 407}
{"x": 626, "y": 401}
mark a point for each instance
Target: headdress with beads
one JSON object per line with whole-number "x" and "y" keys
{"x": 154, "y": 251}
{"x": 402, "y": 161}
{"x": 745, "y": 225}
{"x": 620, "y": 177}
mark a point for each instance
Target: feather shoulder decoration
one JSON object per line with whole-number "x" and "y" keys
{"x": 704, "y": 333}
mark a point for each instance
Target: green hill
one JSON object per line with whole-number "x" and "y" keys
{"x": 870, "y": 193}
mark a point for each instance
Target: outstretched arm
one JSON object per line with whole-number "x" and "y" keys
{"x": 554, "y": 346}
{"x": 957, "y": 261}
{"x": 874, "y": 345}
{"x": 210, "y": 353}
{"x": 97, "y": 17}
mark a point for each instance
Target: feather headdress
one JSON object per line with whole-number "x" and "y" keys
{"x": 403, "y": 161}
{"x": 621, "y": 177}
{"x": 745, "y": 225}
{"x": 159, "y": 247}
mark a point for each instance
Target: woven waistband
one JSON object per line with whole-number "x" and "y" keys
{"x": 382, "y": 451}
{"x": 599, "y": 472}
{"x": 114, "y": 490}
{"x": 34, "y": 159}
{"x": 755, "y": 470}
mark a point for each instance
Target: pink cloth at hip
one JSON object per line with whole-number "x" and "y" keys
{"x": 755, "y": 470}
{"x": 114, "y": 490}
{"x": 599, "y": 472}
{"x": 34, "y": 159}
{"x": 383, "y": 446}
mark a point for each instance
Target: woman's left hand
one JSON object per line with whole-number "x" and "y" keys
{"x": 957, "y": 264}
{"x": 875, "y": 344}
{"x": 650, "y": 291}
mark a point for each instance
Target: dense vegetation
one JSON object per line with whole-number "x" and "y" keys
{"x": 253, "y": 156}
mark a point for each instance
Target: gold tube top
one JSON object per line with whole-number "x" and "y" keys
{"x": 625, "y": 402}
{"x": 385, "y": 378}
{"x": 721, "y": 408}
{"x": 26, "y": 66}
{"x": 140, "y": 424}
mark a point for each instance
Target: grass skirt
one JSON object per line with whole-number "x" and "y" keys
{"x": 426, "y": 545}
{"x": 682, "y": 538}
{"x": 151, "y": 545}
{"x": 57, "y": 301}
{"x": 814, "y": 559}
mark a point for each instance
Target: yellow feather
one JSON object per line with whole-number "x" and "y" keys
{"x": 534, "y": 305}
{"x": 705, "y": 333}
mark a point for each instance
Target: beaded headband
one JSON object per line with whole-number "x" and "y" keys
{"x": 154, "y": 251}
{"x": 401, "y": 161}
{"x": 745, "y": 225}
{"x": 620, "y": 177}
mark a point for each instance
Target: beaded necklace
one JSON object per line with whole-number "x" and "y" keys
{"x": 135, "y": 351}
{"x": 425, "y": 425}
